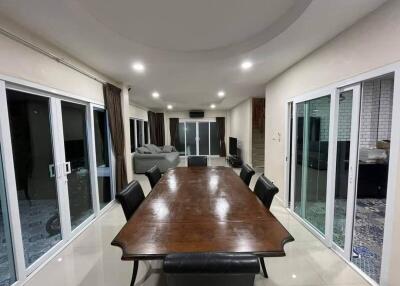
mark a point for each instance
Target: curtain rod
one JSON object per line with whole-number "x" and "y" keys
{"x": 49, "y": 54}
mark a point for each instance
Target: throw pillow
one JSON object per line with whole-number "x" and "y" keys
{"x": 153, "y": 148}
{"x": 143, "y": 150}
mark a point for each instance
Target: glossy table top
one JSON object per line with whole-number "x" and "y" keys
{"x": 201, "y": 209}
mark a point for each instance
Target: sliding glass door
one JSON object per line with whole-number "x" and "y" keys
{"x": 7, "y": 271}
{"x": 312, "y": 161}
{"x": 36, "y": 172}
{"x": 343, "y": 200}
{"x": 203, "y": 138}
{"x": 103, "y": 157}
{"x": 55, "y": 158}
{"x": 191, "y": 138}
{"x": 77, "y": 162}
{"x": 197, "y": 138}
{"x": 348, "y": 105}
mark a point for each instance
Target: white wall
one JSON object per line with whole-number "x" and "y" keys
{"x": 241, "y": 128}
{"x": 371, "y": 43}
{"x": 19, "y": 61}
{"x": 23, "y": 63}
{"x": 138, "y": 112}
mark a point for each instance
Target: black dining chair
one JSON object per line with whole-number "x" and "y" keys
{"x": 154, "y": 175}
{"x": 198, "y": 269}
{"x": 246, "y": 174}
{"x": 197, "y": 161}
{"x": 130, "y": 198}
{"x": 265, "y": 190}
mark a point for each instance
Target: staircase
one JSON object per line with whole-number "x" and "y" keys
{"x": 258, "y": 150}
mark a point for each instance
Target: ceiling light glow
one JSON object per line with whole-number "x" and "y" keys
{"x": 155, "y": 94}
{"x": 221, "y": 93}
{"x": 169, "y": 106}
{"x": 246, "y": 65}
{"x": 212, "y": 106}
{"x": 138, "y": 67}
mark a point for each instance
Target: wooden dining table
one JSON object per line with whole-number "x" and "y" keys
{"x": 201, "y": 209}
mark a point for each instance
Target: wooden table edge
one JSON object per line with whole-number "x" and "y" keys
{"x": 131, "y": 257}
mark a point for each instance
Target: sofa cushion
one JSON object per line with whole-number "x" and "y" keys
{"x": 143, "y": 150}
{"x": 153, "y": 148}
{"x": 168, "y": 149}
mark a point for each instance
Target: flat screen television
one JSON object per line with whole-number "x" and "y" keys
{"x": 232, "y": 146}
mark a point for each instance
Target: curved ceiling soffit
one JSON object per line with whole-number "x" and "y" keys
{"x": 256, "y": 41}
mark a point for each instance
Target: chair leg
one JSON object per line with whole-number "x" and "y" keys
{"x": 263, "y": 267}
{"x": 134, "y": 273}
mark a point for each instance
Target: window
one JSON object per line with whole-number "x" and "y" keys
{"x": 139, "y": 133}
{"x": 146, "y": 133}
{"x": 133, "y": 137}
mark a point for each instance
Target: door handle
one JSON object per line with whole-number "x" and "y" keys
{"x": 52, "y": 171}
{"x": 67, "y": 168}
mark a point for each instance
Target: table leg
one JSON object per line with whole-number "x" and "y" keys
{"x": 134, "y": 273}
{"x": 263, "y": 267}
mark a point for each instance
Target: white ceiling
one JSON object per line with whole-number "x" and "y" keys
{"x": 191, "y": 48}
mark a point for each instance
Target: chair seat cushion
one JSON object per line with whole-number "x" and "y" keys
{"x": 211, "y": 263}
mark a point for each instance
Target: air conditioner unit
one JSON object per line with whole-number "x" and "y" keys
{"x": 196, "y": 114}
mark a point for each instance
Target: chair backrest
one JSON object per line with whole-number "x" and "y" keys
{"x": 195, "y": 269}
{"x": 154, "y": 175}
{"x": 265, "y": 191}
{"x": 130, "y": 198}
{"x": 246, "y": 173}
{"x": 197, "y": 161}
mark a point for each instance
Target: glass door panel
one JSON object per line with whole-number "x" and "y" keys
{"x": 312, "y": 160}
{"x": 214, "y": 141}
{"x": 31, "y": 137}
{"x": 77, "y": 162}
{"x": 204, "y": 143}
{"x": 191, "y": 142}
{"x": 372, "y": 175}
{"x": 102, "y": 156}
{"x": 180, "y": 144}
{"x": 342, "y": 167}
{"x": 7, "y": 273}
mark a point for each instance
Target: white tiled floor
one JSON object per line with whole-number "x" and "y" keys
{"x": 90, "y": 260}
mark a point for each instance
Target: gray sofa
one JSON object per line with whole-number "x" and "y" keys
{"x": 150, "y": 155}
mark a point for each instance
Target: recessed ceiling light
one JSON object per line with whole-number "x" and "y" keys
{"x": 246, "y": 65}
{"x": 155, "y": 94}
{"x": 138, "y": 67}
{"x": 212, "y": 106}
{"x": 221, "y": 93}
{"x": 169, "y": 106}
